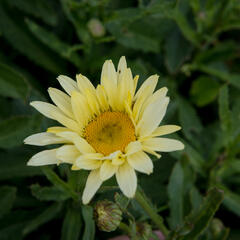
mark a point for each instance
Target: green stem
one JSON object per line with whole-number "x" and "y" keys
{"x": 124, "y": 227}
{"x": 141, "y": 199}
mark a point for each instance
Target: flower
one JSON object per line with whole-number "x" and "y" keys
{"x": 109, "y": 130}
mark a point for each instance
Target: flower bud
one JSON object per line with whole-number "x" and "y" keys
{"x": 96, "y": 28}
{"x": 144, "y": 231}
{"x": 107, "y": 215}
{"x": 216, "y": 227}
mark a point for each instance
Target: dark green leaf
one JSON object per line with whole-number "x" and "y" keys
{"x": 204, "y": 90}
{"x": 72, "y": 224}
{"x": 59, "y": 183}
{"x": 48, "y": 193}
{"x": 12, "y": 84}
{"x": 89, "y": 229}
{"x": 14, "y": 130}
{"x": 176, "y": 196}
{"x": 121, "y": 201}
{"x": 47, "y": 215}
{"x": 7, "y": 197}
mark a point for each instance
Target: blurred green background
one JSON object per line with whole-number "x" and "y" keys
{"x": 193, "y": 46}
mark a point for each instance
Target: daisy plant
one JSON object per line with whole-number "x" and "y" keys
{"x": 108, "y": 130}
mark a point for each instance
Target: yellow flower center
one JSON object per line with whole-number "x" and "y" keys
{"x": 109, "y": 132}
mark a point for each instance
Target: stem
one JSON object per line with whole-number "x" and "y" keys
{"x": 141, "y": 199}
{"x": 124, "y": 227}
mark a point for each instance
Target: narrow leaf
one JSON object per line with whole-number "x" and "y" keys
{"x": 89, "y": 229}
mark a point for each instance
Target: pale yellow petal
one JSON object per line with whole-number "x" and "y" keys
{"x": 122, "y": 64}
{"x": 58, "y": 129}
{"x": 102, "y": 98}
{"x": 84, "y": 84}
{"x": 67, "y": 153}
{"x": 141, "y": 162}
{"x": 87, "y": 164}
{"x": 80, "y": 108}
{"x": 133, "y": 147}
{"x": 46, "y": 157}
{"x": 44, "y": 138}
{"x": 67, "y": 84}
{"x": 62, "y": 100}
{"x": 127, "y": 179}
{"x": 152, "y": 117}
{"x": 92, "y": 185}
{"x": 107, "y": 170}
{"x": 53, "y": 112}
{"x": 165, "y": 129}
{"x": 82, "y": 145}
{"x": 163, "y": 144}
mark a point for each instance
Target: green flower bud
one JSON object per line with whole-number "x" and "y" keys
{"x": 144, "y": 230}
{"x": 96, "y": 28}
{"x": 107, "y": 215}
{"x": 216, "y": 227}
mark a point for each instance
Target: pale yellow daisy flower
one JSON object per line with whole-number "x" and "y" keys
{"x": 108, "y": 130}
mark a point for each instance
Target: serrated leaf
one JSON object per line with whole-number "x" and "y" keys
{"x": 53, "y": 42}
{"x": 59, "y": 183}
{"x": 12, "y": 84}
{"x": 7, "y": 197}
{"x": 176, "y": 196}
{"x": 202, "y": 217}
{"x": 89, "y": 228}
{"x": 47, "y": 215}
{"x": 15, "y": 129}
{"x": 20, "y": 38}
{"x": 48, "y": 193}
{"x": 72, "y": 224}
{"x": 204, "y": 90}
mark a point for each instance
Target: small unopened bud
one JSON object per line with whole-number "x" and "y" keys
{"x": 107, "y": 215}
{"x": 216, "y": 227}
{"x": 96, "y": 28}
{"x": 144, "y": 231}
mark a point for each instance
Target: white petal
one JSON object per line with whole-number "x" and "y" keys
{"x": 141, "y": 162}
{"x": 127, "y": 179}
{"x": 92, "y": 185}
{"x": 152, "y": 117}
{"x": 165, "y": 129}
{"x": 62, "y": 100}
{"x": 133, "y": 147}
{"x": 67, "y": 153}
{"x": 53, "y": 112}
{"x": 107, "y": 170}
{"x": 82, "y": 145}
{"x": 67, "y": 84}
{"x": 46, "y": 157}
{"x": 163, "y": 144}
{"x": 44, "y": 138}
{"x": 87, "y": 164}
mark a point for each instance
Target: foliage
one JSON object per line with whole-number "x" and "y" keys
{"x": 192, "y": 45}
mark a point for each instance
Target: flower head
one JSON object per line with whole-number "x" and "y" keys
{"x": 109, "y": 130}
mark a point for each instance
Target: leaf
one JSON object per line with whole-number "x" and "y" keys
{"x": 121, "y": 201}
{"x": 59, "y": 183}
{"x": 72, "y": 224}
{"x": 176, "y": 196}
{"x": 48, "y": 193}
{"x": 190, "y": 122}
{"x": 177, "y": 50}
{"x": 7, "y": 197}
{"x": 204, "y": 90}
{"x": 202, "y": 217}
{"x": 53, "y": 42}
{"x": 47, "y": 215}
{"x": 44, "y": 10}
{"x": 231, "y": 200}
{"x": 89, "y": 229}
{"x": 21, "y": 39}
{"x": 195, "y": 198}
{"x": 13, "y": 165}
{"x": 12, "y": 84}
{"x": 15, "y": 129}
